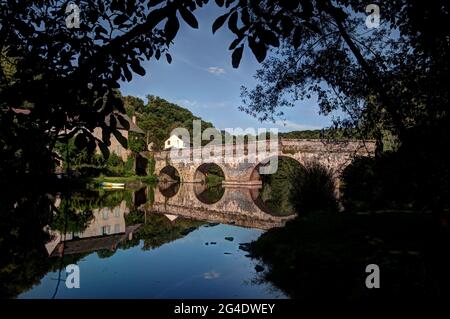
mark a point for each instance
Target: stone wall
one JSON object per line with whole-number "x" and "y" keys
{"x": 237, "y": 206}
{"x": 241, "y": 170}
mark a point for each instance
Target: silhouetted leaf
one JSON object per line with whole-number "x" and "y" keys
{"x": 219, "y": 22}
{"x": 270, "y": 38}
{"x": 189, "y": 17}
{"x": 259, "y": 49}
{"x": 91, "y": 144}
{"x": 103, "y": 148}
{"x": 234, "y": 44}
{"x": 127, "y": 73}
{"x": 123, "y": 122}
{"x": 237, "y": 56}
{"x": 137, "y": 68}
{"x": 112, "y": 122}
{"x": 122, "y": 140}
{"x": 228, "y": 3}
{"x": 80, "y": 141}
{"x": 232, "y": 22}
{"x": 289, "y": 5}
{"x": 286, "y": 25}
{"x": 106, "y": 135}
{"x": 120, "y": 19}
{"x": 118, "y": 105}
{"x": 245, "y": 17}
{"x": 153, "y": 3}
{"x": 297, "y": 36}
{"x": 220, "y": 3}
{"x": 171, "y": 28}
{"x": 312, "y": 27}
{"x": 169, "y": 58}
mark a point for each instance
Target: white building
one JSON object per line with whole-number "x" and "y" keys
{"x": 174, "y": 141}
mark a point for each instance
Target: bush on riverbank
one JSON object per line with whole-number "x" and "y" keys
{"x": 313, "y": 189}
{"x": 89, "y": 164}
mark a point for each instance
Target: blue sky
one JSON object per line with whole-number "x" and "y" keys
{"x": 202, "y": 79}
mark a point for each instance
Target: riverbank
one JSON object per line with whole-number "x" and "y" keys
{"x": 124, "y": 179}
{"x": 132, "y": 182}
{"x": 325, "y": 255}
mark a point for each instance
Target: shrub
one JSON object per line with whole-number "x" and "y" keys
{"x": 114, "y": 160}
{"x": 128, "y": 167}
{"x": 313, "y": 189}
{"x": 394, "y": 180}
{"x": 361, "y": 186}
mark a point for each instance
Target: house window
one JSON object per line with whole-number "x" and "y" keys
{"x": 117, "y": 211}
{"x": 118, "y": 150}
{"x": 116, "y": 228}
{"x": 168, "y": 142}
{"x": 105, "y": 214}
{"x": 105, "y": 230}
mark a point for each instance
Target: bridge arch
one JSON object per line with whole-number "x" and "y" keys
{"x": 256, "y": 176}
{"x": 169, "y": 174}
{"x": 203, "y": 170}
{"x": 333, "y": 155}
{"x": 273, "y": 196}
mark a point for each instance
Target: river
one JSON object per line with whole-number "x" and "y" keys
{"x": 159, "y": 241}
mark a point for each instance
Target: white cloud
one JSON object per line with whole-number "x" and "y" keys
{"x": 193, "y": 103}
{"x": 187, "y": 103}
{"x": 211, "y": 275}
{"x": 296, "y": 126}
{"x": 216, "y": 70}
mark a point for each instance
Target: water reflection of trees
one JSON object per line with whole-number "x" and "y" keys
{"x": 169, "y": 189}
{"x": 22, "y": 235}
{"x": 24, "y": 260}
{"x": 26, "y": 232}
{"x": 157, "y": 229}
{"x": 207, "y": 193}
{"x": 276, "y": 189}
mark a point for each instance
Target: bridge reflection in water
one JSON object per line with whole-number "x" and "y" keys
{"x": 108, "y": 228}
{"x": 228, "y": 205}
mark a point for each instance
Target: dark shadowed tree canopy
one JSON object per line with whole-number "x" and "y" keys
{"x": 390, "y": 77}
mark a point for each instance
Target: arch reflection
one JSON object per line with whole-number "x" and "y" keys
{"x": 169, "y": 174}
{"x": 274, "y": 195}
{"x": 168, "y": 189}
{"x": 208, "y": 194}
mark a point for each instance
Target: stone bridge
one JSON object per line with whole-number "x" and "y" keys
{"x": 243, "y": 170}
{"x": 239, "y": 206}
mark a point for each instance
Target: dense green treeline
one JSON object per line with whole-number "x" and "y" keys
{"x": 158, "y": 118}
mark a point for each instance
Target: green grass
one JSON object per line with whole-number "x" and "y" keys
{"x": 324, "y": 255}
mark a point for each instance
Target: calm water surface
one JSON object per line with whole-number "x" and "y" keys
{"x": 175, "y": 241}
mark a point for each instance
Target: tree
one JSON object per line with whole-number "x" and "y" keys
{"x": 390, "y": 80}
{"x": 375, "y": 76}
{"x": 68, "y": 77}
